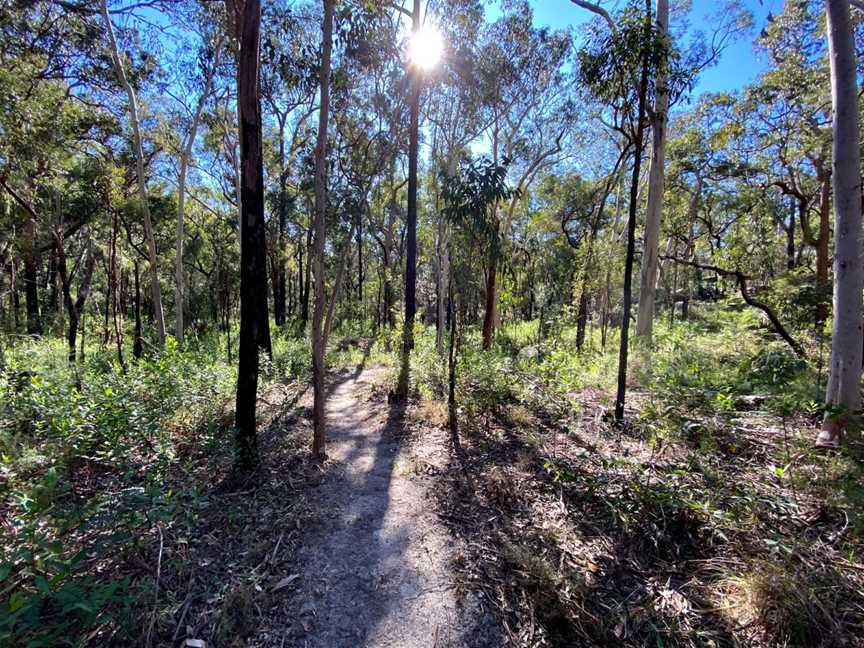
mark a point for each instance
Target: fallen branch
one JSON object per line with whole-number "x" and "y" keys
{"x": 741, "y": 279}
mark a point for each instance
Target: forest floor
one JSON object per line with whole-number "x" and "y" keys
{"x": 375, "y": 559}
{"x": 528, "y": 528}
{"x": 707, "y": 519}
{"x": 351, "y": 552}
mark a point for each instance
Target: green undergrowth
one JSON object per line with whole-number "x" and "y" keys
{"x": 93, "y": 462}
{"x": 708, "y": 519}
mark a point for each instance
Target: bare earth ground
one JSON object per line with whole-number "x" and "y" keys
{"x": 537, "y": 527}
{"x": 345, "y": 553}
{"x": 375, "y": 562}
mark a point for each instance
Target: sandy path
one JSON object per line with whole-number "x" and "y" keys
{"x": 376, "y": 561}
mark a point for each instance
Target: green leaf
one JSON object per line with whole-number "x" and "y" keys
{"x": 17, "y": 601}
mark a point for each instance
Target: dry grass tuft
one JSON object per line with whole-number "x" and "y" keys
{"x": 430, "y": 412}
{"x": 236, "y": 617}
{"x": 796, "y": 602}
{"x": 520, "y": 416}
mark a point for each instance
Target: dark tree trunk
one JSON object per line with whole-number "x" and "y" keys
{"x": 14, "y": 297}
{"x": 582, "y": 316}
{"x": 279, "y": 270}
{"x": 31, "y": 278}
{"x": 114, "y": 289}
{"x": 264, "y": 341}
{"x": 138, "y": 344}
{"x": 304, "y": 306}
{"x": 74, "y": 308}
{"x": 411, "y": 221}
{"x": 490, "y": 301}
{"x": 451, "y": 362}
{"x": 360, "y": 261}
{"x": 823, "y": 284}
{"x": 790, "y": 240}
{"x": 631, "y": 222}
{"x": 253, "y": 260}
{"x": 319, "y": 333}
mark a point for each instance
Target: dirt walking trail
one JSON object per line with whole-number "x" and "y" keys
{"x": 376, "y": 563}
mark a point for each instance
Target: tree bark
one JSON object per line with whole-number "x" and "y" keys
{"x": 631, "y": 222}
{"x": 279, "y": 293}
{"x": 411, "y": 218}
{"x": 491, "y": 300}
{"x": 319, "y": 227}
{"x": 153, "y": 259}
{"x": 114, "y": 289}
{"x": 253, "y": 261}
{"x": 844, "y": 377}
{"x": 656, "y": 187}
{"x": 138, "y": 344}
{"x": 185, "y": 159}
{"x": 74, "y": 307}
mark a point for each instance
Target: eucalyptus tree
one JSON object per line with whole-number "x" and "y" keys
{"x": 454, "y": 108}
{"x": 471, "y": 198}
{"x": 140, "y": 162}
{"x": 319, "y": 228}
{"x": 41, "y": 47}
{"x": 530, "y": 116}
{"x": 785, "y": 128}
{"x": 675, "y": 72}
{"x": 368, "y": 108}
{"x": 609, "y": 63}
{"x": 191, "y": 115}
{"x": 656, "y": 186}
{"x": 288, "y": 88}
{"x": 245, "y": 18}
{"x": 842, "y": 395}
{"x": 414, "y": 80}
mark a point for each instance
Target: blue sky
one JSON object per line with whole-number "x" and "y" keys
{"x": 738, "y": 65}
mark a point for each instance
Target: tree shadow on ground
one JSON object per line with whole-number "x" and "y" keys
{"x": 575, "y": 553}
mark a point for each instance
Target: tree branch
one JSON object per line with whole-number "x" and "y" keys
{"x": 741, "y": 279}
{"x": 597, "y": 9}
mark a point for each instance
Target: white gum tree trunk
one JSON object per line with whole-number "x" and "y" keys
{"x": 656, "y": 186}
{"x": 158, "y": 313}
{"x": 844, "y": 378}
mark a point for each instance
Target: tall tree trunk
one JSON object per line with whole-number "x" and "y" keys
{"x": 582, "y": 314}
{"x": 790, "y": 239}
{"x": 443, "y": 293}
{"x": 320, "y": 230}
{"x": 823, "y": 284}
{"x": 307, "y": 286}
{"x": 31, "y": 276}
{"x": 14, "y": 297}
{"x": 253, "y": 261}
{"x": 360, "y": 260}
{"x": 138, "y": 344}
{"x": 452, "y": 409}
{"x": 631, "y": 222}
{"x": 389, "y": 315}
{"x": 185, "y": 160}
{"x": 656, "y": 186}
{"x": 264, "y": 340}
{"x": 279, "y": 292}
{"x": 74, "y": 307}
{"x": 156, "y": 291}
{"x": 491, "y": 300}
{"x": 114, "y": 288}
{"x": 411, "y": 217}
{"x": 844, "y": 378}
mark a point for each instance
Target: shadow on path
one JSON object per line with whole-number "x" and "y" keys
{"x": 375, "y": 562}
